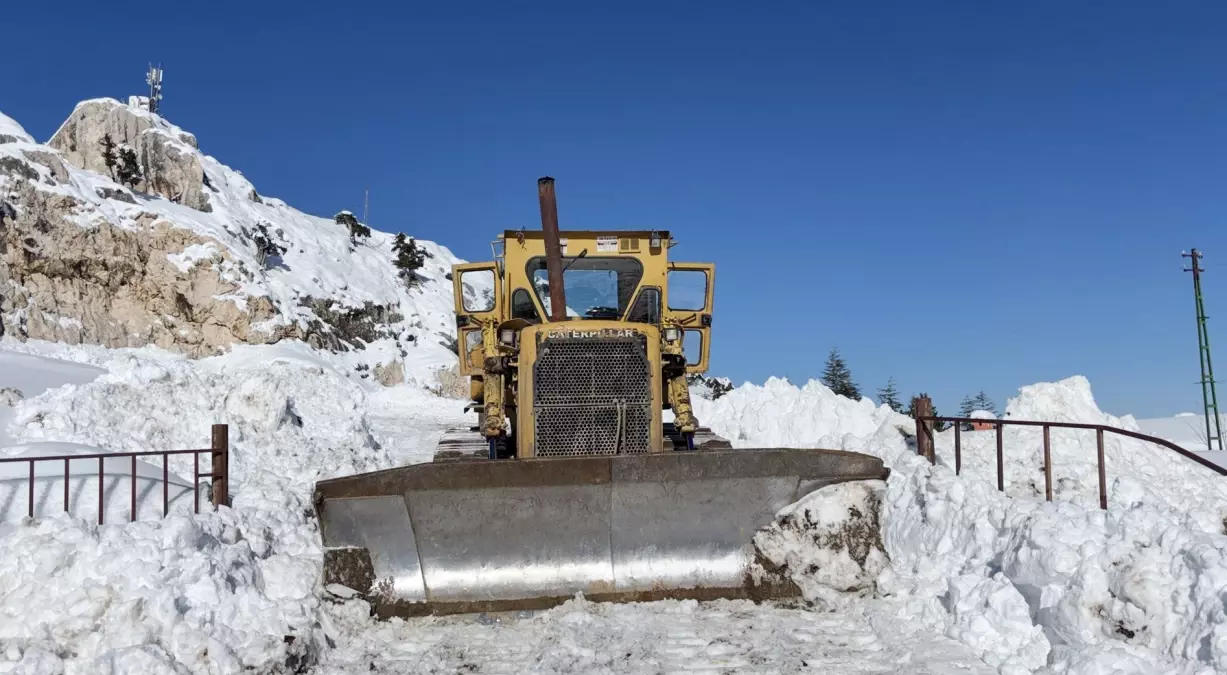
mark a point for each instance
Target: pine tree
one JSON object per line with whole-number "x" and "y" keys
{"x": 409, "y": 258}
{"x": 108, "y": 154}
{"x": 889, "y": 396}
{"x": 129, "y": 171}
{"x": 965, "y": 410}
{"x": 356, "y": 229}
{"x": 838, "y": 378}
{"x": 983, "y": 402}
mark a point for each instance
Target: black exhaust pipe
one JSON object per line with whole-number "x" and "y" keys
{"x": 553, "y": 248}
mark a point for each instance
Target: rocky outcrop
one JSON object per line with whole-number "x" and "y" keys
{"x": 115, "y": 287}
{"x": 171, "y": 169}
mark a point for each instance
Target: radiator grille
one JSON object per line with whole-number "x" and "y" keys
{"x": 592, "y": 396}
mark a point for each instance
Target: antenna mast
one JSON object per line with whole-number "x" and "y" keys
{"x": 154, "y": 79}
{"x": 366, "y": 206}
{"x": 1209, "y": 397}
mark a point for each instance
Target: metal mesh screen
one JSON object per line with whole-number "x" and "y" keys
{"x": 592, "y": 396}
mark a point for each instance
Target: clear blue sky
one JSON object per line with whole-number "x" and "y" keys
{"x": 957, "y": 195}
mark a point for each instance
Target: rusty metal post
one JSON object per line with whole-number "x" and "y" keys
{"x": 133, "y": 490}
{"x": 100, "y": 504}
{"x": 1103, "y": 479}
{"x": 553, "y": 248}
{"x": 1000, "y": 459}
{"x": 1047, "y": 463}
{"x": 958, "y": 449}
{"x": 922, "y": 406}
{"x": 166, "y": 484}
{"x": 221, "y": 465}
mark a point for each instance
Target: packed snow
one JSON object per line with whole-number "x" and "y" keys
{"x": 969, "y": 576}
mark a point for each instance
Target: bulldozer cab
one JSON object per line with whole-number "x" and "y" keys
{"x": 622, "y": 276}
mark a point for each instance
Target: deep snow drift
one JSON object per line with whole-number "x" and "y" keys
{"x": 1018, "y": 581}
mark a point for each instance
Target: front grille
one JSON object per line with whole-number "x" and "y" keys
{"x": 592, "y": 396}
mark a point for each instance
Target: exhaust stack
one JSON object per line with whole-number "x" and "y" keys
{"x": 553, "y": 249}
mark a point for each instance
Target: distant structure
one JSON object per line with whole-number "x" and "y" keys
{"x": 366, "y": 206}
{"x": 1209, "y": 397}
{"x": 154, "y": 79}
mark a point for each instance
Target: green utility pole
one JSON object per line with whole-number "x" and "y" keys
{"x": 1208, "y": 396}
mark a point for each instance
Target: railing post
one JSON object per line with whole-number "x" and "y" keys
{"x": 1047, "y": 463}
{"x": 922, "y": 406}
{"x": 1000, "y": 459}
{"x": 1103, "y": 478}
{"x": 221, "y": 465}
{"x": 958, "y": 450}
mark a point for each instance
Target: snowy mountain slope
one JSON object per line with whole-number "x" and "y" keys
{"x": 96, "y": 262}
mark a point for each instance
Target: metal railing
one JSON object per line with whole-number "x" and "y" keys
{"x": 925, "y": 420}
{"x": 219, "y": 474}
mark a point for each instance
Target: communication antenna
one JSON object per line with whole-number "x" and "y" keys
{"x": 366, "y": 206}
{"x": 154, "y": 79}
{"x": 1209, "y": 397}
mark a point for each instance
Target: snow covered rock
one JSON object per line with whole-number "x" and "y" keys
{"x": 9, "y": 396}
{"x": 12, "y": 132}
{"x": 167, "y": 154}
{"x": 829, "y": 543}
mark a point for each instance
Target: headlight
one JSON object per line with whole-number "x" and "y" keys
{"x": 507, "y": 336}
{"x": 673, "y": 334}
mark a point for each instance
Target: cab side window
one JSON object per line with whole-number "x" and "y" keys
{"x": 522, "y": 306}
{"x": 647, "y": 307}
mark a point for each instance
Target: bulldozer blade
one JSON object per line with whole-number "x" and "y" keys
{"x": 499, "y": 535}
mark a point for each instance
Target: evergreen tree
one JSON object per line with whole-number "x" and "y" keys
{"x": 409, "y": 258}
{"x": 965, "y": 409}
{"x": 838, "y": 378}
{"x": 983, "y": 402}
{"x": 129, "y": 171}
{"x": 108, "y": 154}
{"x": 356, "y": 229}
{"x": 889, "y": 396}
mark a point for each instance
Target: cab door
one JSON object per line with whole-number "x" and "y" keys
{"x": 689, "y": 293}
{"x": 478, "y": 295}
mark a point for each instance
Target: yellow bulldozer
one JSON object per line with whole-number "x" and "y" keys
{"x": 575, "y": 343}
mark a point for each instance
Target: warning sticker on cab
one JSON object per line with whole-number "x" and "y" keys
{"x": 606, "y": 243}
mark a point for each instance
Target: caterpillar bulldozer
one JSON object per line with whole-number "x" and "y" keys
{"x": 571, "y": 481}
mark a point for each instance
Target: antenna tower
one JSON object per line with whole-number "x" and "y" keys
{"x": 154, "y": 79}
{"x": 1209, "y": 397}
{"x": 366, "y": 206}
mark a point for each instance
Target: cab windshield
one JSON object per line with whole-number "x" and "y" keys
{"x": 596, "y": 287}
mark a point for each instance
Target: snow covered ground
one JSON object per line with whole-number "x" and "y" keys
{"x": 976, "y": 582}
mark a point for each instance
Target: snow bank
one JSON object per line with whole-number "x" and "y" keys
{"x": 224, "y": 591}
{"x": 1023, "y": 580}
